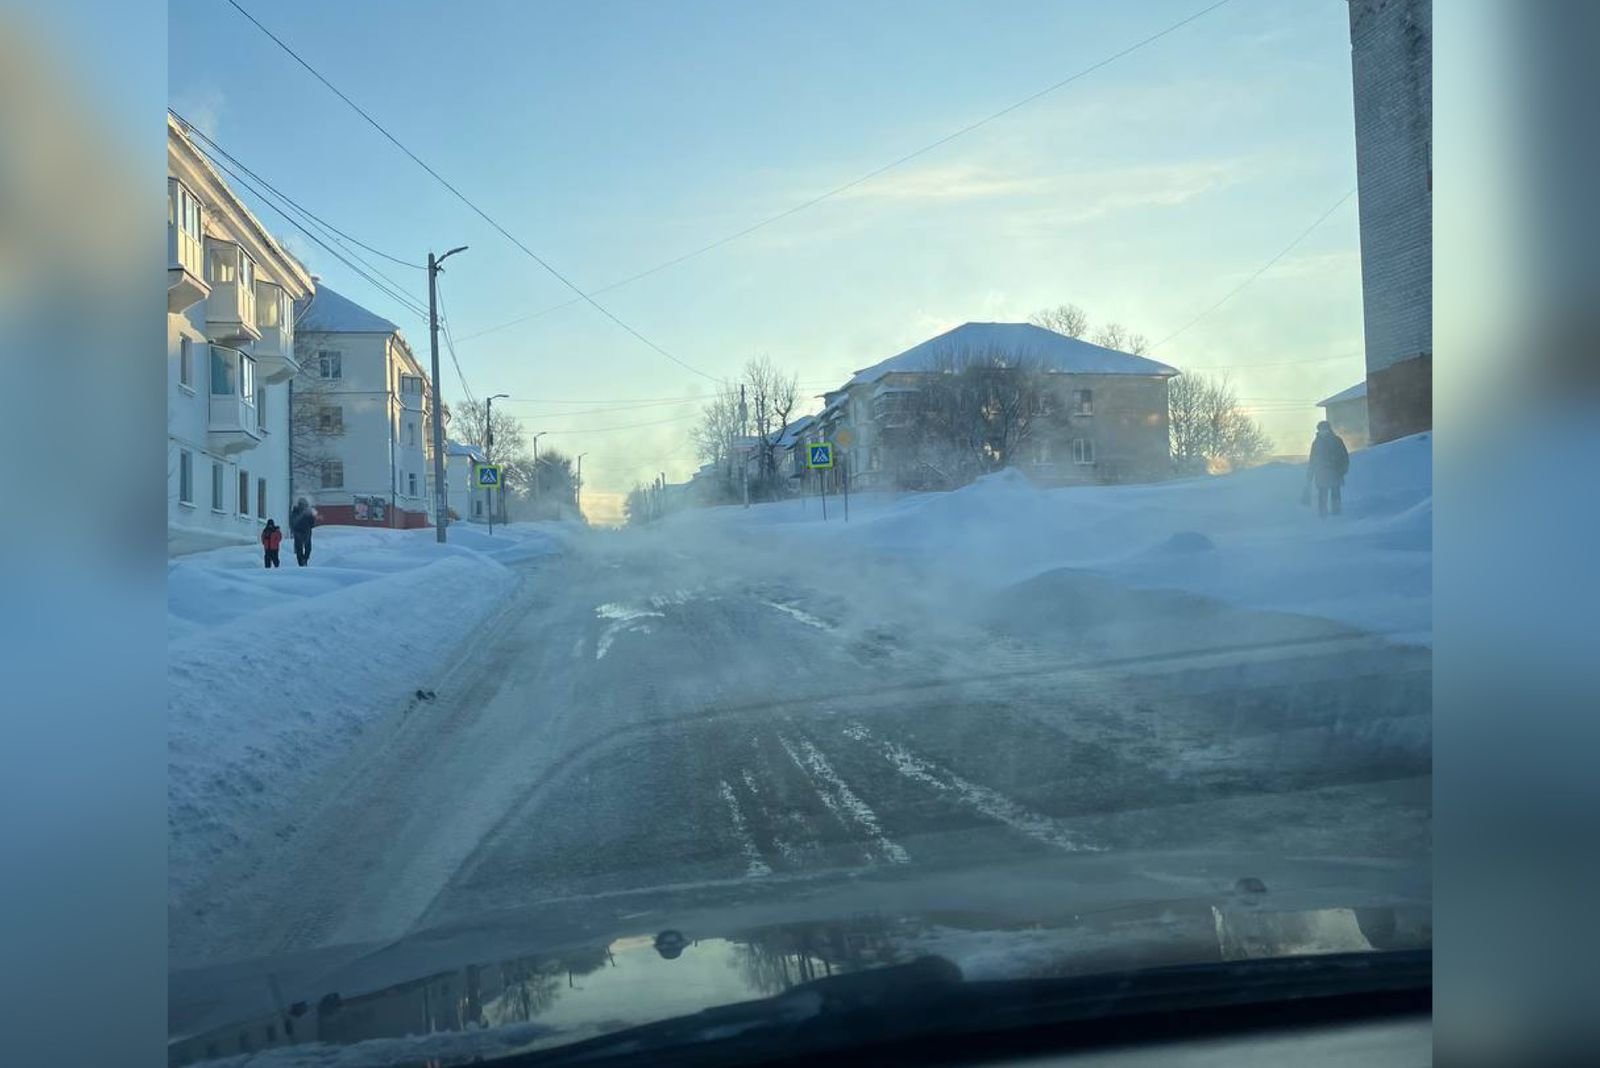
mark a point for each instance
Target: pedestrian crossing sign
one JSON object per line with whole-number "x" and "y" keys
{"x": 487, "y": 476}
{"x": 820, "y": 455}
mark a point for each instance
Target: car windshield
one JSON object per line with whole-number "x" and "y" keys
{"x": 726, "y": 499}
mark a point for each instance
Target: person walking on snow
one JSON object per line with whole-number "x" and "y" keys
{"x": 1330, "y": 460}
{"x": 271, "y": 538}
{"x": 302, "y": 517}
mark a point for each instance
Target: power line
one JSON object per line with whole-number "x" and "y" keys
{"x": 399, "y": 297}
{"x": 836, "y": 190}
{"x": 195, "y": 131}
{"x": 450, "y": 345}
{"x": 463, "y": 198}
{"x": 1260, "y": 270}
{"x": 625, "y": 426}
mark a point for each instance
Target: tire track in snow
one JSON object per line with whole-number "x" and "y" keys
{"x": 786, "y": 849}
{"x": 755, "y": 867}
{"x": 794, "y": 613}
{"x": 981, "y": 799}
{"x": 840, "y": 799}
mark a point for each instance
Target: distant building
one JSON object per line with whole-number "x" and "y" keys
{"x": 1391, "y": 60}
{"x": 230, "y": 355}
{"x": 1346, "y": 412}
{"x": 467, "y": 500}
{"x": 362, "y": 417}
{"x": 1104, "y": 415}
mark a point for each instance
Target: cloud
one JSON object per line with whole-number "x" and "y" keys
{"x": 1086, "y": 196}
{"x": 959, "y": 181}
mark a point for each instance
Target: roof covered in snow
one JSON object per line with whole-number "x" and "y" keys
{"x": 1356, "y": 391}
{"x": 1057, "y": 353}
{"x": 457, "y": 448}
{"x": 333, "y": 313}
{"x": 791, "y": 433}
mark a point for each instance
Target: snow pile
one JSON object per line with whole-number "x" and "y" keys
{"x": 273, "y": 674}
{"x": 1244, "y": 538}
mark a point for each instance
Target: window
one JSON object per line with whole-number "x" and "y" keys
{"x": 411, "y": 481}
{"x": 261, "y": 498}
{"x": 1083, "y": 402}
{"x": 330, "y": 419}
{"x": 874, "y": 459}
{"x": 247, "y": 379}
{"x": 247, "y": 272}
{"x": 186, "y": 364}
{"x": 261, "y": 407}
{"x": 477, "y": 507}
{"x": 1043, "y": 453}
{"x": 244, "y": 493}
{"x": 223, "y": 263}
{"x": 330, "y": 363}
{"x": 333, "y": 474}
{"x": 222, "y": 372}
{"x": 185, "y": 476}
{"x": 411, "y": 435}
{"x": 411, "y": 385}
{"x": 1082, "y": 451}
{"x": 216, "y": 486}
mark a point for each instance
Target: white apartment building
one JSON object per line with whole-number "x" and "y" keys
{"x": 467, "y": 500}
{"x": 231, "y": 290}
{"x": 362, "y": 412}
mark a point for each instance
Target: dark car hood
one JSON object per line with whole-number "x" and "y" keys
{"x": 552, "y": 975}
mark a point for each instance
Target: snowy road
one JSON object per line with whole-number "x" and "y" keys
{"x": 687, "y": 710}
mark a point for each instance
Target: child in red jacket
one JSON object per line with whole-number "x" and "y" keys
{"x": 271, "y": 538}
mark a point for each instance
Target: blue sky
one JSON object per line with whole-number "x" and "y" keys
{"x": 612, "y": 136}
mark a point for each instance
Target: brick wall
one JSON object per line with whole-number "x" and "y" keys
{"x": 1391, "y": 48}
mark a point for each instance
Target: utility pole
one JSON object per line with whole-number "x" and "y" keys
{"x": 440, "y": 516}
{"x": 536, "y": 495}
{"x": 577, "y": 489}
{"x": 488, "y": 450}
{"x": 744, "y": 452}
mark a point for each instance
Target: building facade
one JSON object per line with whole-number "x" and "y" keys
{"x": 1098, "y": 415}
{"x": 231, "y": 353}
{"x": 362, "y": 417}
{"x": 466, "y": 500}
{"x": 1346, "y": 412}
{"x": 1391, "y": 60}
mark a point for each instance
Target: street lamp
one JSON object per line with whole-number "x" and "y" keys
{"x": 488, "y": 449}
{"x": 440, "y": 505}
{"x": 536, "y": 438}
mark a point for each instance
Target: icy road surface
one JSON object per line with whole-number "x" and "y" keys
{"x": 684, "y": 710}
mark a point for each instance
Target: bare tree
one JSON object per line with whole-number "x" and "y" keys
{"x": 312, "y": 426}
{"x": 503, "y": 440}
{"x": 717, "y": 433}
{"x": 1068, "y": 319}
{"x": 1208, "y": 430}
{"x": 771, "y": 397}
{"x": 973, "y": 415}
{"x": 1116, "y": 336}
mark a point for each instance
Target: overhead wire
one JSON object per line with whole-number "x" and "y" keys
{"x": 485, "y": 216}
{"x": 876, "y": 172}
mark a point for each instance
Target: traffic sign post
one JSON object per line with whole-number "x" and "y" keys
{"x": 819, "y": 457}
{"x": 487, "y": 477}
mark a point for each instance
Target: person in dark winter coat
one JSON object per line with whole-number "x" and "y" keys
{"x": 271, "y": 538}
{"x": 302, "y": 517}
{"x": 1330, "y": 460}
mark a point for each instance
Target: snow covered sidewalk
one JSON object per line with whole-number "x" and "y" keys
{"x": 273, "y": 674}
{"x": 1244, "y": 538}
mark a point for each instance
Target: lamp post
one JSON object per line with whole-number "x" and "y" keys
{"x": 488, "y": 449}
{"x": 577, "y": 490}
{"x": 440, "y": 497}
{"x": 536, "y": 495}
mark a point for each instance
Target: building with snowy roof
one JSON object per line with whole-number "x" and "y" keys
{"x": 1346, "y": 412}
{"x": 362, "y": 418}
{"x": 1098, "y": 415}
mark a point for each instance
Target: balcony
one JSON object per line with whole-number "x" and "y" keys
{"x": 231, "y": 307}
{"x": 274, "y": 352}
{"x": 234, "y": 423}
{"x": 186, "y": 284}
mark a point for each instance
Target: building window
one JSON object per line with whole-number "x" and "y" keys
{"x": 244, "y": 493}
{"x": 224, "y": 259}
{"x": 216, "y": 486}
{"x": 261, "y": 498}
{"x": 411, "y": 435}
{"x": 185, "y": 476}
{"x": 261, "y": 407}
{"x": 1083, "y": 402}
{"x": 411, "y": 385}
{"x": 247, "y": 379}
{"x": 222, "y": 373}
{"x": 874, "y": 459}
{"x": 333, "y": 474}
{"x": 1082, "y": 451}
{"x": 477, "y": 508}
{"x": 1043, "y": 453}
{"x": 330, "y": 419}
{"x": 186, "y": 364}
{"x": 330, "y": 363}
{"x": 411, "y": 482}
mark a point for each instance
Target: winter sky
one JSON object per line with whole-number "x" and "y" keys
{"x": 613, "y": 136}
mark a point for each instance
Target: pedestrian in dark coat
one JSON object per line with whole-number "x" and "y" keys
{"x": 302, "y": 518}
{"x": 1330, "y": 460}
{"x": 271, "y": 538}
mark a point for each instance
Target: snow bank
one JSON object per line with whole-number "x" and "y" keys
{"x": 273, "y": 674}
{"x": 1243, "y": 538}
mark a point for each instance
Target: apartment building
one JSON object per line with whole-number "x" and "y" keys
{"x": 362, "y": 440}
{"x": 231, "y": 290}
{"x": 468, "y": 501}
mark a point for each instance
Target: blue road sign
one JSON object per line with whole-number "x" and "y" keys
{"x": 488, "y": 476}
{"x": 819, "y": 455}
